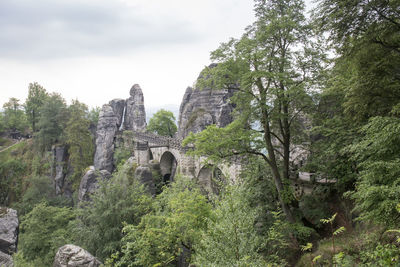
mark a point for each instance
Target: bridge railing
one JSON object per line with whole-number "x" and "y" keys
{"x": 159, "y": 140}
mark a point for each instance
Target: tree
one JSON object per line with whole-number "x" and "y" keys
{"x": 347, "y": 20}
{"x": 52, "y": 121}
{"x": 366, "y": 35}
{"x": 79, "y": 139}
{"x": 275, "y": 66}
{"x": 163, "y": 123}
{"x": 115, "y": 203}
{"x": 43, "y": 231}
{"x": 232, "y": 222}
{"x": 93, "y": 115}
{"x": 37, "y": 96}
{"x": 377, "y": 191}
{"x": 14, "y": 117}
{"x": 180, "y": 213}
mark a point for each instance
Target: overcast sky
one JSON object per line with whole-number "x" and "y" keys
{"x": 95, "y": 50}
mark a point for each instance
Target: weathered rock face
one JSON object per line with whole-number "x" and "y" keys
{"x": 6, "y": 260}
{"x": 118, "y": 106}
{"x": 74, "y": 256}
{"x": 200, "y": 108}
{"x": 144, "y": 175}
{"x": 60, "y": 158}
{"x": 8, "y": 230}
{"x": 135, "y": 115}
{"x": 89, "y": 183}
{"x": 106, "y": 130}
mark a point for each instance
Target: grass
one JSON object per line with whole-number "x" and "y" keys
{"x": 5, "y": 142}
{"x": 17, "y": 149}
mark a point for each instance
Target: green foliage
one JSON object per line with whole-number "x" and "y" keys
{"x": 52, "y": 121}
{"x": 11, "y": 171}
{"x": 275, "y": 64}
{"x": 2, "y": 123}
{"x": 121, "y": 154}
{"x": 40, "y": 190}
{"x": 377, "y": 190}
{"x": 79, "y": 140}
{"x": 180, "y": 212}
{"x": 163, "y": 123}
{"x": 348, "y": 20}
{"x": 381, "y": 256}
{"x": 43, "y": 231}
{"x": 14, "y": 118}
{"x": 37, "y": 96}
{"x": 93, "y": 115}
{"x": 117, "y": 201}
{"x": 333, "y": 232}
{"x": 231, "y": 222}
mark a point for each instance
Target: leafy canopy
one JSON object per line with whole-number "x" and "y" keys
{"x": 163, "y": 123}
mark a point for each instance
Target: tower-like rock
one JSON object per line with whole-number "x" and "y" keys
{"x": 106, "y": 129}
{"x": 135, "y": 115}
{"x": 203, "y": 107}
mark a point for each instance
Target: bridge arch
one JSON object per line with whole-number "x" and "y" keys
{"x": 211, "y": 178}
{"x": 168, "y": 166}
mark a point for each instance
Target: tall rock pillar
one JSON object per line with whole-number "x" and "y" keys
{"x": 135, "y": 116}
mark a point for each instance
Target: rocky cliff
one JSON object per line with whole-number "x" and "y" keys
{"x": 74, "y": 256}
{"x": 8, "y": 235}
{"x": 135, "y": 117}
{"x": 202, "y": 107}
{"x": 118, "y": 115}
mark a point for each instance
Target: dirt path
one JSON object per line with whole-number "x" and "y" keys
{"x": 4, "y": 149}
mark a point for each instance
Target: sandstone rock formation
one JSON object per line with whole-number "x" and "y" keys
{"x": 135, "y": 117}
{"x": 6, "y": 260}
{"x": 74, "y": 256}
{"x": 144, "y": 175}
{"x": 89, "y": 183}
{"x": 114, "y": 117}
{"x": 61, "y": 170}
{"x": 8, "y": 230}
{"x": 106, "y": 130}
{"x": 60, "y": 157}
{"x": 118, "y": 106}
{"x": 202, "y": 107}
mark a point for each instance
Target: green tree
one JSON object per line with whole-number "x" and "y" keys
{"x": 349, "y": 20}
{"x": 276, "y": 66}
{"x": 93, "y": 115}
{"x": 14, "y": 117}
{"x": 231, "y": 238}
{"x": 180, "y": 212}
{"x": 163, "y": 123}
{"x": 1, "y": 122}
{"x": 43, "y": 231}
{"x": 367, "y": 38}
{"x": 52, "y": 121}
{"x": 37, "y": 96}
{"x": 11, "y": 173}
{"x": 377, "y": 191}
{"x": 117, "y": 201}
{"x": 79, "y": 140}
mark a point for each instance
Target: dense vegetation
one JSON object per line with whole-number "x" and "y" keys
{"x": 328, "y": 86}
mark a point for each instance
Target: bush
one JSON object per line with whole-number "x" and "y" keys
{"x": 231, "y": 238}
{"x": 180, "y": 212}
{"x": 43, "y": 231}
{"x": 117, "y": 201}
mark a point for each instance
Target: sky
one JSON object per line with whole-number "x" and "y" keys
{"x": 95, "y": 50}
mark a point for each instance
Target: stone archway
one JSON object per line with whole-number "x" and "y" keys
{"x": 168, "y": 165}
{"x": 211, "y": 178}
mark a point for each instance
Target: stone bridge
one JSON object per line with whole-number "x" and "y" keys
{"x": 173, "y": 159}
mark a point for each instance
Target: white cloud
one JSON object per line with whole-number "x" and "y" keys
{"x": 95, "y": 50}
